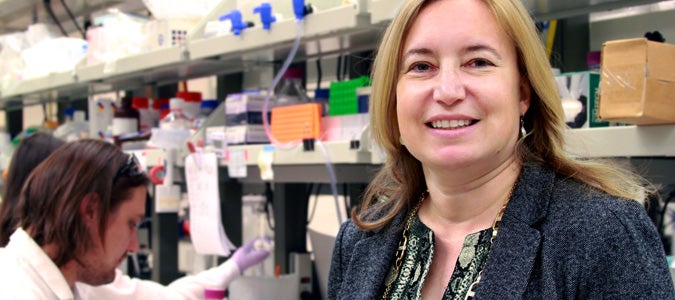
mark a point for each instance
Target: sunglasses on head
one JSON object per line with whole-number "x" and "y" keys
{"x": 131, "y": 168}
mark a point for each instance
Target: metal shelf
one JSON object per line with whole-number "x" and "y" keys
{"x": 542, "y": 10}
{"x": 623, "y": 141}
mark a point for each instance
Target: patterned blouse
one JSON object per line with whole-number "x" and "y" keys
{"x": 417, "y": 262}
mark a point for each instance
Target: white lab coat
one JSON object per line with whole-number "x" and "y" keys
{"x": 188, "y": 287}
{"x": 26, "y": 272}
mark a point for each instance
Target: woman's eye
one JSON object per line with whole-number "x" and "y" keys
{"x": 420, "y": 67}
{"x": 480, "y": 63}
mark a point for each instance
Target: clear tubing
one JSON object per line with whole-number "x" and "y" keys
{"x": 333, "y": 180}
{"x": 292, "y": 144}
{"x": 277, "y": 78}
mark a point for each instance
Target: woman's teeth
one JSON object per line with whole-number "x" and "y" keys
{"x": 450, "y": 124}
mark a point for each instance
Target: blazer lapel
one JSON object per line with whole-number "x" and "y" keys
{"x": 510, "y": 262}
{"x": 369, "y": 266}
{"x": 518, "y": 241}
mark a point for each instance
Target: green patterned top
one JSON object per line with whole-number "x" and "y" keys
{"x": 417, "y": 261}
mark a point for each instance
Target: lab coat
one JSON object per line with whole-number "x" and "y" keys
{"x": 188, "y": 287}
{"x": 27, "y": 272}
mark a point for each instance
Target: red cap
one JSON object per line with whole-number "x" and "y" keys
{"x": 293, "y": 73}
{"x": 190, "y": 96}
{"x": 157, "y": 103}
{"x": 139, "y": 103}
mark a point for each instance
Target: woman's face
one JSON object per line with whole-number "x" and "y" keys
{"x": 459, "y": 93}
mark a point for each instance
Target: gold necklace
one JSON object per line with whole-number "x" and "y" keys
{"x": 400, "y": 251}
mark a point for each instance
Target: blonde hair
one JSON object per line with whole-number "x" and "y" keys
{"x": 400, "y": 180}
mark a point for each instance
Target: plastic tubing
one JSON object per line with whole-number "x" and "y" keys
{"x": 292, "y": 144}
{"x": 277, "y": 78}
{"x": 333, "y": 180}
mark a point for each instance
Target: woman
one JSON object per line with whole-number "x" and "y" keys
{"x": 30, "y": 152}
{"x": 477, "y": 196}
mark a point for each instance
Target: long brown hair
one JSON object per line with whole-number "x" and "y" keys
{"x": 30, "y": 152}
{"x": 400, "y": 181}
{"x": 50, "y": 199}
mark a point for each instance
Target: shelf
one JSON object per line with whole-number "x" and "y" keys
{"x": 343, "y": 20}
{"x": 542, "y": 10}
{"x": 327, "y": 32}
{"x": 382, "y": 11}
{"x": 338, "y": 152}
{"x": 346, "y": 28}
{"x": 623, "y": 141}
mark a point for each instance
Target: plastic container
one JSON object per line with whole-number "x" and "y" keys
{"x": 291, "y": 90}
{"x": 146, "y": 119}
{"x": 160, "y": 108}
{"x": 74, "y": 127}
{"x": 192, "y": 103}
{"x": 343, "y": 96}
{"x": 125, "y": 119}
{"x": 175, "y": 119}
{"x": 206, "y": 108}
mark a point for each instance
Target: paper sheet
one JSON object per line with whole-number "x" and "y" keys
{"x": 206, "y": 227}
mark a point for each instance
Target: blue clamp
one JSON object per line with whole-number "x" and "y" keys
{"x": 299, "y": 9}
{"x": 266, "y": 17}
{"x": 235, "y": 17}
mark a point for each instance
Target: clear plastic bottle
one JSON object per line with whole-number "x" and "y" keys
{"x": 175, "y": 119}
{"x": 291, "y": 90}
{"x": 158, "y": 106}
{"x": 74, "y": 127}
{"x": 191, "y": 104}
{"x": 205, "y": 110}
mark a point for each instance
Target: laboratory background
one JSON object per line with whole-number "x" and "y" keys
{"x": 251, "y": 116}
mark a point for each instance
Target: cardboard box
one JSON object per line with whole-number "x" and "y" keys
{"x": 638, "y": 82}
{"x": 579, "y": 94}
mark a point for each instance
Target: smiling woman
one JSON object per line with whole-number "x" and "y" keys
{"x": 477, "y": 196}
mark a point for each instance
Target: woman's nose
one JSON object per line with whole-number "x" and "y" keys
{"x": 449, "y": 86}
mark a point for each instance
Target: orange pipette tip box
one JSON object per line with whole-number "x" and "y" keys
{"x": 296, "y": 122}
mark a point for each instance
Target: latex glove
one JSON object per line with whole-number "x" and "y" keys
{"x": 247, "y": 255}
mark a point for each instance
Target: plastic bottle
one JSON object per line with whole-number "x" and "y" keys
{"x": 74, "y": 127}
{"x": 175, "y": 119}
{"x": 205, "y": 110}
{"x": 125, "y": 119}
{"x": 142, "y": 105}
{"x": 160, "y": 108}
{"x": 192, "y": 103}
{"x": 291, "y": 91}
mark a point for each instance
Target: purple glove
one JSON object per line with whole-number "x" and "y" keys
{"x": 247, "y": 256}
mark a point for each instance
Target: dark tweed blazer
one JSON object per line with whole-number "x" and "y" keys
{"x": 558, "y": 239}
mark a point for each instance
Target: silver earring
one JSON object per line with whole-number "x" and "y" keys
{"x": 522, "y": 127}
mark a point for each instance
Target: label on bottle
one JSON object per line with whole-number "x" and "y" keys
{"x": 124, "y": 125}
